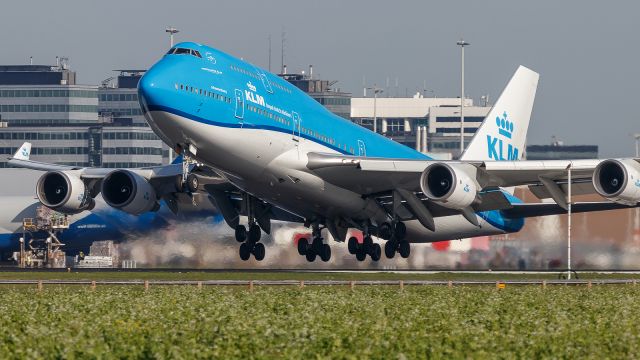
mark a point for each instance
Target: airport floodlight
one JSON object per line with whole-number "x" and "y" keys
{"x": 376, "y": 91}
{"x": 172, "y": 31}
{"x": 462, "y": 44}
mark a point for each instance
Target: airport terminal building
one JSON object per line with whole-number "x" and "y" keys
{"x": 71, "y": 124}
{"x": 429, "y": 125}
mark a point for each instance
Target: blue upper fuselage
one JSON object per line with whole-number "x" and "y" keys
{"x": 239, "y": 94}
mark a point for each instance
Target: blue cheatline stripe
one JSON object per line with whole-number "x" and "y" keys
{"x": 244, "y": 126}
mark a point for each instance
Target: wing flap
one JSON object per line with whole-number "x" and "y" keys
{"x": 544, "y": 209}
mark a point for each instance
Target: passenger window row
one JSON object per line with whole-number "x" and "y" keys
{"x": 269, "y": 115}
{"x": 246, "y": 72}
{"x": 202, "y": 92}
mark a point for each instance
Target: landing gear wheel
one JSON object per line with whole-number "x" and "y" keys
{"x": 192, "y": 183}
{"x": 400, "y": 231}
{"x": 325, "y": 253}
{"x": 361, "y": 255}
{"x": 245, "y": 251}
{"x": 303, "y": 246}
{"x": 376, "y": 252}
{"x": 352, "y": 244}
{"x": 241, "y": 233}
{"x": 390, "y": 249}
{"x": 254, "y": 233}
{"x": 368, "y": 243}
{"x": 258, "y": 251}
{"x": 311, "y": 255}
{"x": 385, "y": 231}
{"x": 405, "y": 249}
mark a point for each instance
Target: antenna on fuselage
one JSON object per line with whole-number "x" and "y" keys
{"x": 282, "y": 53}
{"x": 269, "y": 39}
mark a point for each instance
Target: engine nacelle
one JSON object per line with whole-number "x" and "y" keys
{"x": 452, "y": 186}
{"x": 618, "y": 181}
{"x": 64, "y": 192}
{"x": 129, "y": 192}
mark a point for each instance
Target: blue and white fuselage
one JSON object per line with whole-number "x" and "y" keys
{"x": 257, "y": 129}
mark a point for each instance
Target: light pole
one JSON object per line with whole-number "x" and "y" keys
{"x": 637, "y": 137}
{"x": 462, "y": 44}
{"x": 171, "y": 30}
{"x": 376, "y": 91}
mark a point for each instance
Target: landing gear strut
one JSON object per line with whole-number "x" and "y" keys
{"x": 368, "y": 247}
{"x": 317, "y": 247}
{"x": 398, "y": 242}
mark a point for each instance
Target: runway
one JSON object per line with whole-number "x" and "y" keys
{"x": 303, "y": 283}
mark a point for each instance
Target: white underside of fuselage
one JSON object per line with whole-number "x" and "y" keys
{"x": 271, "y": 165}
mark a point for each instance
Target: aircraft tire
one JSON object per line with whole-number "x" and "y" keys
{"x": 368, "y": 243}
{"x": 361, "y": 255}
{"x": 303, "y": 246}
{"x": 325, "y": 253}
{"x": 192, "y": 183}
{"x": 405, "y": 249}
{"x": 376, "y": 252}
{"x": 254, "y": 233}
{"x": 241, "y": 233}
{"x": 310, "y": 255}
{"x": 400, "y": 231}
{"x": 259, "y": 251}
{"x": 390, "y": 249}
{"x": 352, "y": 245}
{"x": 245, "y": 251}
{"x": 385, "y": 231}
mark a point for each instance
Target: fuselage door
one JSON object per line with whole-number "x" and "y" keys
{"x": 239, "y": 105}
{"x": 362, "y": 150}
{"x": 266, "y": 83}
{"x": 295, "y": 130}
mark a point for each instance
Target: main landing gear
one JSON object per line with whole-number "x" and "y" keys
{"x": 250, "y": 239}
{"x": 317, "y": 247}
{"x": 397, "y": 240}
{"x": 250, "y": 242}
{"x": 368, "y": 247}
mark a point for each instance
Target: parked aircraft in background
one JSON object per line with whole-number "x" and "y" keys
{"x": 268, "y": 151}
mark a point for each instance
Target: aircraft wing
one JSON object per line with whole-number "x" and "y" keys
{"x": 376, "y": 176}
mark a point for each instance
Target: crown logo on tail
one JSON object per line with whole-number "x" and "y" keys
{"x": 505, "y": 127}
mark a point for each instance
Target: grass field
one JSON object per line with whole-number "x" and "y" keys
{"x": 382, "y": 322}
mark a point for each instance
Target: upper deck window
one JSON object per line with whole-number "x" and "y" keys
{"x": 183, "y": 51}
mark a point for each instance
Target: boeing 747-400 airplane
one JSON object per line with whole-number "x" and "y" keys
{"x": 271, "y": 152}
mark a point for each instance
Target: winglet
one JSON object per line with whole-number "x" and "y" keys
{"x": 24, "y": 152}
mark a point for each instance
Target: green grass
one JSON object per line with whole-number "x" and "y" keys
{"x": 320, "y": 322}
{"x": 274, "y": 275}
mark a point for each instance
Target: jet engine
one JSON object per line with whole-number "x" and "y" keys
{"x": 451, "y": 186}
{"x": 64, "y": 191}
{"x": 127, "y": 191}
{"x": 618, "y": 181}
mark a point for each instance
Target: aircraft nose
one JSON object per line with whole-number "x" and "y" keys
{"x": 150, "y": 89}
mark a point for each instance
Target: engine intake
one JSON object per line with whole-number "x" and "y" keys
{"x": 618, "y": 181}
{"x": 452, "y": 186}
{"x": 63, "y": 191}
{"x": 129, "y": 192}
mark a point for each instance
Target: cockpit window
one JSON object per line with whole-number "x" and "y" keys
{"x": 183, "y": 51}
